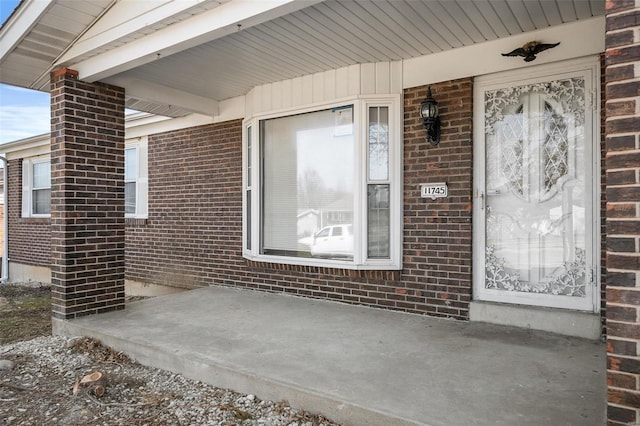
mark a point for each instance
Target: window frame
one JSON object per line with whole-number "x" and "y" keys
{"x": 252, "y": 194}
{"x": 28, "y": 186}
{"x": 141, "y": 180}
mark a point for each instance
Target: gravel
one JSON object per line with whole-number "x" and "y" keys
{"x": 38, "y": 389}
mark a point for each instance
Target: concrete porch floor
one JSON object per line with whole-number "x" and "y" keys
{"x": 359, "y": 365}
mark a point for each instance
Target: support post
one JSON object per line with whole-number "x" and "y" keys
{"x": 622, "y": 166}
{"x": 87, "y": 196}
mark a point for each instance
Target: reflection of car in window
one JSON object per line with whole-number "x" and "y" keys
{"x": 334, "y": 241}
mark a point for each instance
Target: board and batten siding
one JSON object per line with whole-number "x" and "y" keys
{"x": 360, "y": 79}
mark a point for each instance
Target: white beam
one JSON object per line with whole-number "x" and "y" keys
{"x": 23, "y": 20}
{"x": 163, "y": 95}
{"x": 160, "y": 124}
{"x": 201, "y": 28}
{"x": 124, "y": 19}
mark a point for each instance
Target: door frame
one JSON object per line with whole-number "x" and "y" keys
{"x": 589, "y": 68}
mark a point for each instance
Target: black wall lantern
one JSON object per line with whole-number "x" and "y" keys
{"x": 429, "y": 115}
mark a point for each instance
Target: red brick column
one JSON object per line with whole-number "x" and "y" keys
{"x": 622, "y": 165}
{"x": 87, "y": 196}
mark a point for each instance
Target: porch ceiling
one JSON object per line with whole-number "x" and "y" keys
{"x": 314, "y": 37}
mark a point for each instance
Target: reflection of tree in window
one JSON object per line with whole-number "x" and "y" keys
{"x": 311, "y": 189}
{"x": 378, "y": 143}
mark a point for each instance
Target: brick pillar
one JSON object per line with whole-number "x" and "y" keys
{"x": 622, "y": 165}
{"x": 87, "y": 196}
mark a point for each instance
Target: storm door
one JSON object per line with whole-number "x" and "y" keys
{"x": 535, "y": 223}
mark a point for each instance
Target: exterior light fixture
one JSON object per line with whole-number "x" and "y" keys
{"x": 430, "y": 119}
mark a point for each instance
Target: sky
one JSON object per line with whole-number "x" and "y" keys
{"x": 23, "y": 112}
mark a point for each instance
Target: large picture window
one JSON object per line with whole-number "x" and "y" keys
{"x": 328, "y": 186}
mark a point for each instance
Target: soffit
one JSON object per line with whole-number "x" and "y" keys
{"x": 28, "y": 63}
{"x": 323, "y": 36}
{"x": 335, "y": 34}
{"x": 31, "y": 60}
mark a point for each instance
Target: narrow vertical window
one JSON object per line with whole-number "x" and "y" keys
{"x": 248, "y": 188}
{"x": 41, "y": 192}
{"x": 130, "y": 178}
{"x": 378, "y": 201}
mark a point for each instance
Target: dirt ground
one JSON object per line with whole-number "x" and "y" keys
{"x": 25, "y": 312}
{"x": 45, "y": 380}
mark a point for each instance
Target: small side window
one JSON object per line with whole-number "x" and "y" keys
{"x": 130, "y": 179}
{"x": 36, "y": 187}
{"x": 135, "y": 178}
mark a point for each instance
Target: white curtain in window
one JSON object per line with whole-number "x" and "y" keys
{"x": 307, "y": 177}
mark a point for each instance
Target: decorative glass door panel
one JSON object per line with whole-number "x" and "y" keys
{"x": 535, "y": 198}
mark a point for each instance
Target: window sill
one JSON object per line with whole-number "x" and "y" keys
{"x": 135, "y": 221}
{"x": 36, "y": 219}
{"x": 386, "y": 265}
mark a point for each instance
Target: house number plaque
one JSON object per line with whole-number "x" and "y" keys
{"x": 433, "y": 190}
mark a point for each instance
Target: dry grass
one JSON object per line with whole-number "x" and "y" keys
{"x": 25, "y": 312}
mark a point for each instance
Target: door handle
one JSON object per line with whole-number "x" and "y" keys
{"x": 481, "y": 197}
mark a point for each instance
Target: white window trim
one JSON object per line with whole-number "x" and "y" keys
{"x": 2, "y": 185}
{"x": 27, "y": 185}
{"x": 142, "y": 179}
{"x": 360, "y": 261}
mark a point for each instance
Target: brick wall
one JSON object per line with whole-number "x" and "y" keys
{"x": 193, "y": 236}
{"x": 622, "y": 165}
{"x": 87, "y": 196}
{"x": 29, "y": 238}
{"x": 603, "y": 199}
{"x": 437, "y": 237}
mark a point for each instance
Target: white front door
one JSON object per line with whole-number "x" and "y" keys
{"x": 535, "y": 218}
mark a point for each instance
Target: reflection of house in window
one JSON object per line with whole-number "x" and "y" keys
{"x": 308, "y": 222}
{"x": 311, "y": 221}
{"x": 338, "y": 212}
